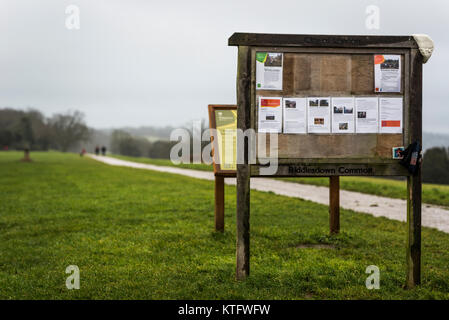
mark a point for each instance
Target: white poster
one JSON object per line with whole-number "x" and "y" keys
{"x": 295, "y": 115}
{"x": 367, "y": 115}
{"x": 343, "y": 115}
{"x": 269, "y": 70}
{"x": 387, "y": 73}
{"x": 318, "y": 115}
{"x": 270, "y": 114}
{"x": 390, "y": 113}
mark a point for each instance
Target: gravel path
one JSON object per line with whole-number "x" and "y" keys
{"x": 432, "y": 216}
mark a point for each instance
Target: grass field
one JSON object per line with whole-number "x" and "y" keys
{"x": 139, "y": 234}
{"x": 432, "y": 193}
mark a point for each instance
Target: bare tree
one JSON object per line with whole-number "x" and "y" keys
{"x": 68, "y": 129}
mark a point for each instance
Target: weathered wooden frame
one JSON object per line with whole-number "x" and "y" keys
{"x": 380, "y": 167}
{"x": 248, "y": 44}
{"x": 218, "y": 171}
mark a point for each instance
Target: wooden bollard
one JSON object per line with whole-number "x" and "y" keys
{"x": 334, "y": 204}
{"x": 26, "y": 155}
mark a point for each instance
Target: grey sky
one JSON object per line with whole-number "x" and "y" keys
{"x": 160, "y": 63}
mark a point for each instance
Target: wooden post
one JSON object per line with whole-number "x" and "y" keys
{"x": 334, "y": 204}
{"x": 243, "y": 174}
{"x": 219, "y": 203}
{"x": 413, "y": 231}
{"x": 414, "y": 182}
{"x": 26, "y": 155}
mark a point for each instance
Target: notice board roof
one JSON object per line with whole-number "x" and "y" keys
{"x": 317, "y": 40}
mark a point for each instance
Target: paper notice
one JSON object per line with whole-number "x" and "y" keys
{"x": 390, "y": 115}
{"x": 269, "y": 70}
{"x": 387, "y": 73}
{"x": 318, "y": 115}
{"x": 343, "y": 115}
{"x": 295, "y": 115}
{"x": 367, "y": 115}
{"x": 226, "y": 123}
{"x": 270, "y": 114}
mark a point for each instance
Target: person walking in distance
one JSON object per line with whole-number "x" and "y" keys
{"x": 97, "y": 150}
{"x": 103, "y": 150}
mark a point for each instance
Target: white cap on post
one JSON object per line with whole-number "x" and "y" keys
{"x": 425, "y": 44}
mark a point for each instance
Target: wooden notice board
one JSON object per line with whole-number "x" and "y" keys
{"x": 331, "y": 66}
{"x": 336, "y": 72}
{"x": 223, "y": 118}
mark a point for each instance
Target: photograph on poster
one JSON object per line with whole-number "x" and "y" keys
{"x": 343, "y": 126}
{"x": 273, "y": 60}
{"x": 313, "y": 102}
{"x": 338, "y": 110}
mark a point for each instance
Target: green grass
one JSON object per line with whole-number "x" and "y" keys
{"x": 432, "y": 193}
{"x": 139, "y": 234}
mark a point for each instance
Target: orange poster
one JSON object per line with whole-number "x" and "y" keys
{"x": 270, "y": 114}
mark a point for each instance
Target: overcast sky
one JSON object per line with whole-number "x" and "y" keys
{"x": 136, "y": 62}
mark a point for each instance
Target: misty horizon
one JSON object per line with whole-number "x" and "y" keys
{"x": 137, "y": 63}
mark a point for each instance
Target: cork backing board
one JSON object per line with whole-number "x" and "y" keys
{"x": 332, "y": 74}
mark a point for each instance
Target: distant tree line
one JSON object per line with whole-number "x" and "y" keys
{"x": 31, "y": 130}
{"x": 125, "y": 144}
{"x": 435, "y": 167}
